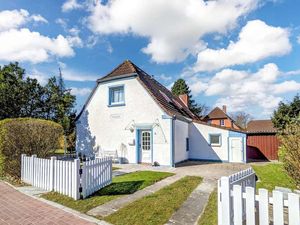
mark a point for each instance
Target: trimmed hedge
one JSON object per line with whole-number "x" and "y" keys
{"x": 26, "y": 136}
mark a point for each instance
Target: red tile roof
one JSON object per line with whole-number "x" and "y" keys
{"x": 260, "y": 126}
{"x": 217, "y": 113}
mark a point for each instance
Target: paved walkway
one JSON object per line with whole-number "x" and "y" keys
{"x": 115, "y": 205}
{"x": 17, "y": 208}
{"x": 192, "y": 208}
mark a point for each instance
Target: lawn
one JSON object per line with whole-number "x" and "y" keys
{"x": 157, "y": 208}
{"x": 121, "y": 185}
{"x": 210, "y": 214}
{"x": 271, "y": 175}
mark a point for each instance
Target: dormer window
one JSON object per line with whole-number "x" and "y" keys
{"x": 116, "y": 96}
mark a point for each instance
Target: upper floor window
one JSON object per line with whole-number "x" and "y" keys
{"x": 222, "y": 122}
{"x": 215, "y": 139}
{"x": 116, "y": 95}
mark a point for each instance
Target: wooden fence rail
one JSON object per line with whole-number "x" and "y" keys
{"x": 67, "y": 177}
{"x": 239, "y": 204}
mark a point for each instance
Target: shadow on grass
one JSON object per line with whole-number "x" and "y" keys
{"x": 119, "y": 188}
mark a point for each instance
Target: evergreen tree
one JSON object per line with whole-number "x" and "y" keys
{"x": 25, "y": 97}
{"x": 180, "y": 87}
{"x": 286, "y": 113}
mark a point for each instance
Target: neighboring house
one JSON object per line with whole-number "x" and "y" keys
{"x": 131, "y": 113}
{"x": 219, "y": 117}
{"x": 262, "y": 142}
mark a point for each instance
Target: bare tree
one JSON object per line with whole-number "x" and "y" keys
{"x": 241, "y": 118}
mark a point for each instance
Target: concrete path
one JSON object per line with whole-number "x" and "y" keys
{"x": 115, "y": 205}
{"x": 193, "y": 207}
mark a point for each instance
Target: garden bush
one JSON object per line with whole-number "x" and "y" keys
{"x": 290, "y": 150}
{"x": 26, "y": 136}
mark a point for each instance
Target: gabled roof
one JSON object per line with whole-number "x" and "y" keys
{"x": 170, "y": 103}
{"x": 217, "y": 113}
{"x": 261, "y": 126}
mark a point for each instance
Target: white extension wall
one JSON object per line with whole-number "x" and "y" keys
{"x": 181, "y": 132}
{"x": 104, "y": 128}
{"x": 199, "y": 143}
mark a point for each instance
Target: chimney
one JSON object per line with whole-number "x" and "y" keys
{"x": 224, "y": 108}
{"x": 185, "y": 99}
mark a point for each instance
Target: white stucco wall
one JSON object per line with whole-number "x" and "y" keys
{"x": 199, "y": 143}
{"x": 102, "y": 127}
{"x": 181, "y": 132}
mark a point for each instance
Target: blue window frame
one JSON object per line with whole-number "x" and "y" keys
{"x": 187, "y": 142}
{"x": 215, "y": 139}
{"x": 116, "y": 95}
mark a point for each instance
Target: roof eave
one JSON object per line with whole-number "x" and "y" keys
{"x": 101, "y": 80}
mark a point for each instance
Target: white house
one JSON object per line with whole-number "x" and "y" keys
{"x": 131, "y": 113}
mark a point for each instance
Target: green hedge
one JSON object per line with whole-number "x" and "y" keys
{"x": 26, "y": 136}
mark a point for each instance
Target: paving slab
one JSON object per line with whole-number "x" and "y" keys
{"x": 193, "y": 207}
{"x": 114, "y": 205}
{"x": 21, "y": 206}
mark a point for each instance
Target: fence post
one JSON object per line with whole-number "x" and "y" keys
{"x": 52, "y": 173}
{"x": 83, "y": 180}
{"x": 32, "y": 170}
{"x": 77, "y": 179}
{"x": 22, "y": 166}
{"x": 225, "y": 201}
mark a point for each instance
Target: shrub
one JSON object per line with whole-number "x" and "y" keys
{"x": 290, "y": 150}
{"x": 26, "y": 136}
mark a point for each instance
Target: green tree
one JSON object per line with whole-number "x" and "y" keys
{"x": 180, "y": 87}
{"x": 19, "y": 96}
{"x": 286, "y": 113}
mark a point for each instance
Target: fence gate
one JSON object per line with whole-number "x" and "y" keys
{"x": 238, "y": 203}
{"x": 67, "y": 177}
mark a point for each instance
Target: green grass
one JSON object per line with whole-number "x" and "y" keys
{"x": 210, "y": 214}
{"x": 122, "y": 185}
{"x": 115, "y": 168}
{"x": 59, "y": 152}
{"x": 156, "y": 208}
{"x": 272, "y": 175}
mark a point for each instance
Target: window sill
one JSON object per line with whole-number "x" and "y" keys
{"x": 215, "y": 145}
{"x": 116, "y": 105}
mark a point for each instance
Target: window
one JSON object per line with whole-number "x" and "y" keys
{"x": 215, "y": 139}
{"x": 187, "y": 141}
{"x": 222, "y": 122}
{"x": 116, "y": 96}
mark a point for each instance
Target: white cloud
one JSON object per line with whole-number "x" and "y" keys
{"x": 174, "y": 27}
{"x": 298, "y": 39}
{"x": 256, "y": 41}
{"x": 16, "y": 18}
{"x": 34, "y": 47}
{"x": 42, "y": 78}
{"x": 70, "y": 5}
{"x": 243, "y": 90}
{"x": 80, "y": 91}
{"x": 73, "y": 75}
{"x": 165, "y": 77}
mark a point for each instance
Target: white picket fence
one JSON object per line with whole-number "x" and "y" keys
{"x": 96, "y": 174}
{"x": 67, "y": 177}
{"x": 238, "y": 204}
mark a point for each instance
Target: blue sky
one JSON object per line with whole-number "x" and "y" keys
{"x": 242, "y": 53}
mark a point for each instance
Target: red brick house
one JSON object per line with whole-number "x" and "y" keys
{"x": 219, "y": 117}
